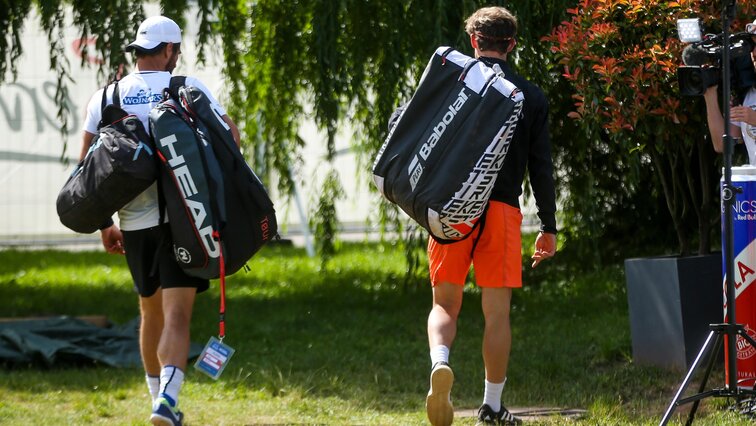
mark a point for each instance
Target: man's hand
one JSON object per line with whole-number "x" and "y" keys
{"x": 545, "y": 247}
{"x": 112, "y": 240}
{"x": 743, "y": 114}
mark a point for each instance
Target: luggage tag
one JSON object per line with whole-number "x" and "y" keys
{"x": 214, "y": 358}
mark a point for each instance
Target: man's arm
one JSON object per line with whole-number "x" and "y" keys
{"x": 541, "y": 173}
{"x": 112, "y": 239}
{"x": 715, "y": 120}
{"x": 545, "y": 247}
{"x": 85, "y": 144}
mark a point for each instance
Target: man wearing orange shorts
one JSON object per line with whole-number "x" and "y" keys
{"x": 493, "y": 248}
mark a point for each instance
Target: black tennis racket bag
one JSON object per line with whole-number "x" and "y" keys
{"x": 119, "y": 166}
{"x": 218, "y": 210}
{"x": 441, "y": 158}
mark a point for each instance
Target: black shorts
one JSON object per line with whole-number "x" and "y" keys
{"x": 150, "y": 257}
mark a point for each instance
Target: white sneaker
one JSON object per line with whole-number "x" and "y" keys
{"x": 438, "y": 404}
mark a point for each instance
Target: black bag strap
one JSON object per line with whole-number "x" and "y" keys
{"x": 445, "y": 54}
{"x": 172, "y": 90}
{"x": 481, "y": 224}
{"x": 467, "y": 67}
{"x": 177, "y": 82}
{"x": 104, "y": 101}
{"x": 106, "y": 119}
{"x": 116, "y": 96}
{"x": 161, "y": 194}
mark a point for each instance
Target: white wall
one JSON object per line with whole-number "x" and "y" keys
{"x": 31, "y": 173}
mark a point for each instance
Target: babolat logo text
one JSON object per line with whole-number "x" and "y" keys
{"x": 440, "y": 128}
{"x": 189, "y": 189}
{"x": 415, "y": 169}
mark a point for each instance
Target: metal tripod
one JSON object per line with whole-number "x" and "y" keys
{"x": 731, "y": 329}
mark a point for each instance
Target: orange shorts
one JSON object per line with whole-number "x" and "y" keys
{"x": 498, "y": 254}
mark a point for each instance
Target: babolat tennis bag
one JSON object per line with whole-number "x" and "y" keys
{"x": 119, "y": 165}
{"x": 218, "y": 210}
{"x": 441, "y": 158}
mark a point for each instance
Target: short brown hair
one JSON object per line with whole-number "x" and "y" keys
{"x": 493, "y": 28}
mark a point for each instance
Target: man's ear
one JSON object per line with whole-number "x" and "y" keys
{"x": 168, "y": 51}
{"x": 512, "y": 45}
{"x": 473, "y": 41}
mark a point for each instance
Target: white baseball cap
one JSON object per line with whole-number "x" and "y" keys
{"x": 751, "y": 28}
{"x": 153, "y": 31}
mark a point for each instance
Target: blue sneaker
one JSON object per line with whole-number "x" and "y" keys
{"x": 163, "y": 414}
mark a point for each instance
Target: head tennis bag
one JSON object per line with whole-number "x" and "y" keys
{"x": 119, "y": 166}
{"x": 218, "y": 210}
{"x": 441, "y": 158}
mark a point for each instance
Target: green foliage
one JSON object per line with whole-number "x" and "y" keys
{"x": 112, "y": 25}
{"x": 53, "y": 21}
{"x": 325, "y": 222}
{"x": 637, "y": 143}
{"x": 12, "y": 16}
{"x": 340, "y": 346}
{"x": 352, "y": 62}
{"x": 337, "y": 62}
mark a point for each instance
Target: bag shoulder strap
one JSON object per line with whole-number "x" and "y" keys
{"x": 445, "y": 54}
{"x": 116, "y": 96}
{"x": 104, "y": 103}
{"x": 177, "y": 82}
{"x": 481, "y": 225}
{"x": 469, "y": 64}
{"x": 161, "y": 193}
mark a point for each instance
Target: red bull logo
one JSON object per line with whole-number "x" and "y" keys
{"x": 744, "y": 268}
{"x": 745, "y": 349}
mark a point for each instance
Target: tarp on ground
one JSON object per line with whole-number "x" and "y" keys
{"x": 67, "y": 341}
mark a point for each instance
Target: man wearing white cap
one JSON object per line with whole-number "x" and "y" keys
{"x": 742, "y": 117}
{"x": 166, "y": 293}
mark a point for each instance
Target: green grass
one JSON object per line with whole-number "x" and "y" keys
{"x": 341, "y": 345}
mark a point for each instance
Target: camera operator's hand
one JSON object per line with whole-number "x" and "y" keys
{"x": 743, "y": 114}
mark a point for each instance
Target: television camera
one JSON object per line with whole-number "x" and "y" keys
{"x": 703, "y": 61}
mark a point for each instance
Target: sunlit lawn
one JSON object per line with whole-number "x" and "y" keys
{"x": 341, "y": 345}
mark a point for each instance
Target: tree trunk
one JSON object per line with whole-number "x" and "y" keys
{"x": 704, "y": 222}
{"x": 670, "y": 197}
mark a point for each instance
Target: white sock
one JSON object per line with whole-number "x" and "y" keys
{"x": 492, "y": 395}
{"x": 439, "y": 353}
{"x": 171, "y": 378}
{"x": 153, "y": 384}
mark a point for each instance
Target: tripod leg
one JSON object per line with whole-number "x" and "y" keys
{"x": 687, "y": 379}
{"x": 709, "y": 367}
{"x": 748, "y": 338}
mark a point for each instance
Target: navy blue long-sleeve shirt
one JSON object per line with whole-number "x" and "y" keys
{"x": 531, "y": 149}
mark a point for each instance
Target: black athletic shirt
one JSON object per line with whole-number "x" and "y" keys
{"x": 530, "y": 149}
